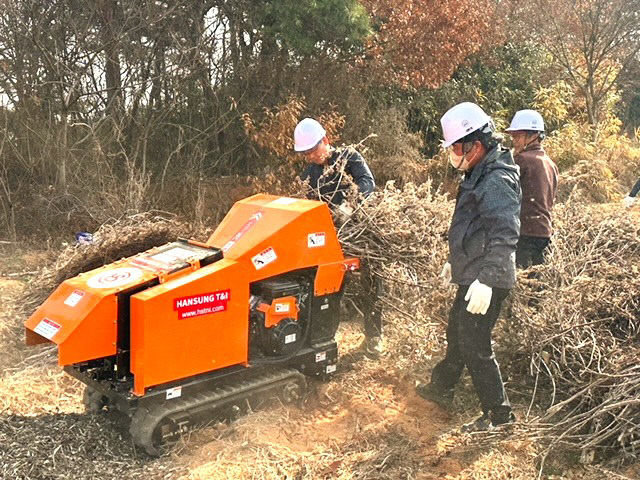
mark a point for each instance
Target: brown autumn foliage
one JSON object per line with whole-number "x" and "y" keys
{"x": 274, "y": 132}
{"x": 422, "y": 43}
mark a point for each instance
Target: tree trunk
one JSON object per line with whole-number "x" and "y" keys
{"x": 111, "y": 47}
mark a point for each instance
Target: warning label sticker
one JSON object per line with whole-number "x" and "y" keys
{"x": 172, "y": 255}
{"x": 117, "y": 277}
{"x": 282, "y": 307}
{"x": 75, "y": 297}
{"x": 149, "y": 264}
{"x": 174, "y": 392}
{"x": 164, "y": 261}
{"x": 264, "y": 258}
{"x": 316, "y": 239}
{"x": 244, "y": 229}
{"x": 47, "y": 328}
{"x": 202, "y": 304}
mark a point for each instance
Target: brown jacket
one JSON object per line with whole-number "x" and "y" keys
{"x": 539, "y": 181}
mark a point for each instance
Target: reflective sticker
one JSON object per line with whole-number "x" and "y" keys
{"x": 282, "y": 307}
{"x": 264, "y": 258}
{"x": 290, "y": 338}
{"x": 324, "y": 307}
{"x": 75, "y": 297}
{"x": 244, "y": 229}
{"x": 316, "y": 239}
{"x": 118, "y": 277}
{"x": 321, "y": 357}
{"x": 331, "y": 368}
{"x": 47, "y": 328}
{"x": 174, "y": 392}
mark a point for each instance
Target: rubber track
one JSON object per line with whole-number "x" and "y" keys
{"x": 145, "y": 421}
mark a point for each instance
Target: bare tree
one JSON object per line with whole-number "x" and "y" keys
{"x": 595, "y": 41}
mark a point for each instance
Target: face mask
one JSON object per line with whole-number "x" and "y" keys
{"x": 461, "y": 160}
{"x": 457, "y": 156}
{"x": 455, "y": 160}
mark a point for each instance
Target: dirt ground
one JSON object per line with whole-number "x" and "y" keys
{"x": 366, "y": 423}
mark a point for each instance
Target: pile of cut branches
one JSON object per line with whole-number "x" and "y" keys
{"x": 574, "y": 331}
{"x": 399, "y": 234}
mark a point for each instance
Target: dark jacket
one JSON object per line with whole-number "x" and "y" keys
{"x": 486, "y": 223}
{"x": 635, "y": 189}
{"x": 330, "y": 180}
{"x": 539, "y": 182}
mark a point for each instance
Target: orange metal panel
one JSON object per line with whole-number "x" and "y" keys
{"x": 190, "y": 325}
{"x": 80, "y": 322}
{"x": 270, "y": 235}
{"x": 81, "y": 314}
{"x": 280, "y": 308}
{"x": 330, "y": 275}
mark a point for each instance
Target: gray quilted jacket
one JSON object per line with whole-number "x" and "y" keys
{"x": 486, "y": 222}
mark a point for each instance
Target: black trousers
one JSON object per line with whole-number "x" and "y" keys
{"x": 370, "y": 301}
{"x": 469, "y": 344}
{"x": 530, "y": 250}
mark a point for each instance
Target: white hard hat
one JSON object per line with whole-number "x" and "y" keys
{"x": 527, "y": 120}
{"x": 307, "y": 134}
{"x": 460, "y": 120}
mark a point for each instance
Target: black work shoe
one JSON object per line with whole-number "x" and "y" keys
{"x": 488, "y": 422}
{"x": 500, "y": 420}
{"x": 480, "y": 424}
{"x": 444, "y": 399}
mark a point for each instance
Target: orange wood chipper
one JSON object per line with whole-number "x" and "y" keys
{"x": 189, "y": 332}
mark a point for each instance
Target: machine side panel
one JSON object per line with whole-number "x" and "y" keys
{"x": 95, "y": 337}
{"x": 78, "y": 320}
{"x": 191, "y": 325}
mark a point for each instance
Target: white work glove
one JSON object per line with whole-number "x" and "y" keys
{"x": 344, "y": 212}
{"x": 479, "y": 297}
{"x": 629, "y": 201}
{"x": 445, "y": 274}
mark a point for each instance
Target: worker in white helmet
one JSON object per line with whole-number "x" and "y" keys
{"x": 539, "y": 182}
{"x": 324, "y": 171}
{"x": 482, "y": 242}
{"x": 330, "y": 173}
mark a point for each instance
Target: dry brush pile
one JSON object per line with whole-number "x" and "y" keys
{"x": 570, "y": 334}
{"x": 573, "y": 332}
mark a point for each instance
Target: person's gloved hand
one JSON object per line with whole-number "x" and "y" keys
{"x": 344, "y": 212}
{"x": 479, "y": 297}
{"x": 445, "y": 274}
{"x": 629, "y": 201}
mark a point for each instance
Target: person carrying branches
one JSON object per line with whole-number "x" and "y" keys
{"x": 482, "y": 241}
{"x": 330, "y": 173}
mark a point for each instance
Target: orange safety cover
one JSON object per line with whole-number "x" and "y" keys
{"x": 190, "y": 325}
{"x": 271, "y": 235}
{"x": 280, "y": 308}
